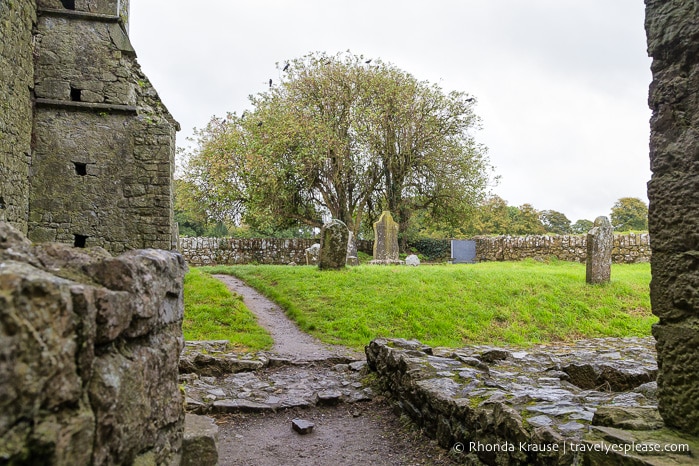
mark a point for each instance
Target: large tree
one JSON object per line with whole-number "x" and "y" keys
{"x": 343, "y": 137}
{"x": 629, "y": 213}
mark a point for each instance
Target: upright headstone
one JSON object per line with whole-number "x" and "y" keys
{"x": 600, "y": 240}
{"x": 312, "y": 254}
{"x": 333, "y": 245}
{"x": 385, "y": 240}
{"x": 352, "y": 258}
{"x": 673, "y": 218}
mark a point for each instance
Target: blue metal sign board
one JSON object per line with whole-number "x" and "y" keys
{"x": 463, "y": 251}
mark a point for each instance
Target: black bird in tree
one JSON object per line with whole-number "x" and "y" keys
{"x": 259, "y": 123}
{"x": 368, "y": 61}
{"x": 286, "y": 67}
{"x": 270, "y": 82}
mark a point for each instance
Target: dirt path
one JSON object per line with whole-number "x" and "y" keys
{"x": 289, "y": 341}
{"x": 366, "y": 432}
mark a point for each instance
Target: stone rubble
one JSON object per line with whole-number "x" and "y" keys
{"x": 264, "y": 382}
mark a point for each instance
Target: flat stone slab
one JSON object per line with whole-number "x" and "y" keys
{"x": 302, "y": 426}
{"x": 283, "y": 384}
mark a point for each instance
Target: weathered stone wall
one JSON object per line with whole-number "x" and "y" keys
{"x": 95, "y": 167}
{"x": 627, "y": 249}
{"x": 672, "y": 28}
{"x": 231, "y": 251}
{"x": 17, "y": 18}
{"x": 571, "y": 403}
{"x": 104, "y": 144}
{"x": 89, "y": 354}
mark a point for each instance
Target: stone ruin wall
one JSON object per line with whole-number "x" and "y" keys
{"x": 16, "y": 82}
{"x": 90, "y": 342}
{"x": 672, "y": 29}
{"x": 89, "y": 354}
{"x": 87, "y": 147}
{"x": 627, "y": 249}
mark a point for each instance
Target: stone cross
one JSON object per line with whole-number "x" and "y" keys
{"x": 386, "y": 238}
{"x": 333, "y": 245}
{"x": 599, "y": 251}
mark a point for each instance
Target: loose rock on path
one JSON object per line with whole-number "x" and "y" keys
{"x": 299, "y": 378}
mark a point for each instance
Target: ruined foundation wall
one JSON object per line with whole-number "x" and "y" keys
{"x": 17, "y": 18}
{"x": 89, "y": 355}
{"x": 672, "y": 28}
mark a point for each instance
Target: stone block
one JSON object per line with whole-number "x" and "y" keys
{"x": 200, "y": 442}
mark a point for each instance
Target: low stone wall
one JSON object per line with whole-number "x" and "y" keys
{"x": 89, "y": 354}
{"x": 232, "y": 251}
{"x": 627, "y": 249}
{"x": 577, "y": 403}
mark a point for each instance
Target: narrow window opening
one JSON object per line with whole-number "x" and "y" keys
{"x": 80, "y": 241}
{"x": 74, "y": 94}
{"x": 68, "y": 4}
{"x": 2, "y": 202}
{"x": 80, "y": 168}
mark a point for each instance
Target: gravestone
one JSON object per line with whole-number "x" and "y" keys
{"x": 600, "y": 240}
{"x": 672, "y": 29}
{"x": 385, "y": 240}
{"x": 333, "y": 245}
{"x": 352, "y": 258}
{"x": 312, "y": 254}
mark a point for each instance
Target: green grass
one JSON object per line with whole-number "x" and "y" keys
{"x": 518, "y": 303}
{"x": 212, "y": 312}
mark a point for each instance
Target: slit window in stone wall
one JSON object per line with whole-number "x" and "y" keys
{"x": 75, "y": 94}
{"x": 68, "y": 4}
{"x": 2, "y": 203}
{"x": 80, "y": 241}
{"x": 80, "y": 168}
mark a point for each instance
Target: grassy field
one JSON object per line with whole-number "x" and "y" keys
{"x": 214, "y": 313}
{"x": 517, "y": 303}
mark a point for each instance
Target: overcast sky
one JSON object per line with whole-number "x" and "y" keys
{"x": 561, "y": 85}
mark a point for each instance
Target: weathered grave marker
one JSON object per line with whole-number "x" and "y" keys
{"x": 600, "y": 240}
{"x": 385, "y": 240}
{"x": 333, "y": 245}
{"x": 352, "y": 257}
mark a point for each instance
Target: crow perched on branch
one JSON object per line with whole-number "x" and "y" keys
{"x": 270, "y": 82}
{"x": 286, "y": 67}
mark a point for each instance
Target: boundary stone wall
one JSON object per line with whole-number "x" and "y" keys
{"x": 231, "y": 251}
{"x": 626, "y": 249}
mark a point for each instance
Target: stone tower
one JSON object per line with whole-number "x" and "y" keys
{"x": 87, "y": 147}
